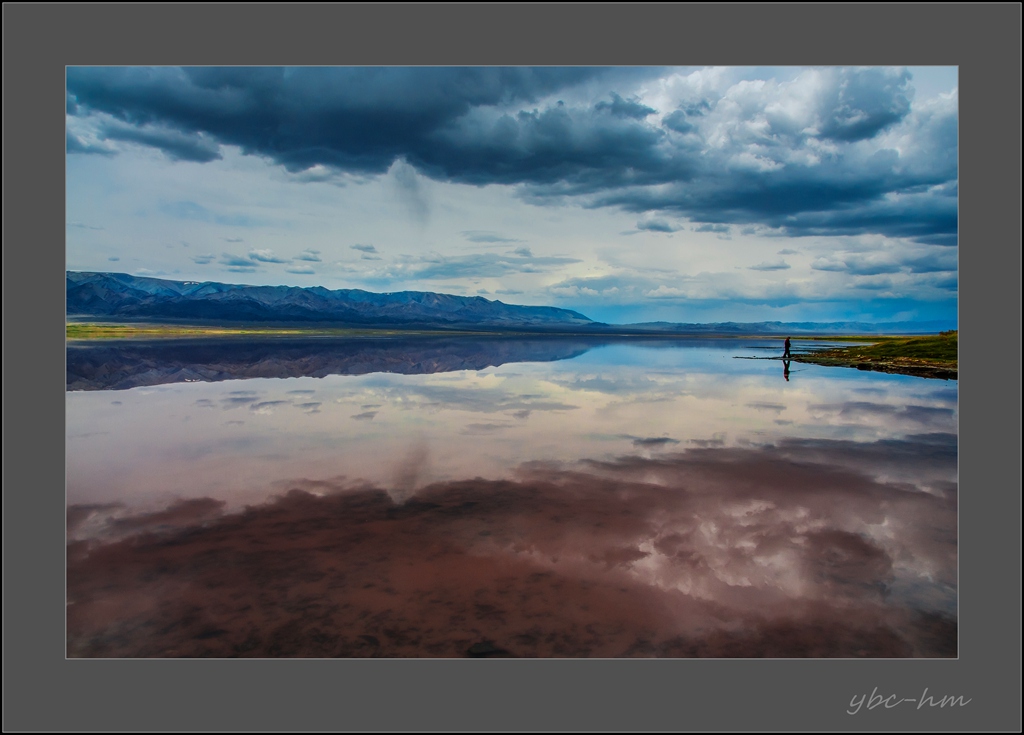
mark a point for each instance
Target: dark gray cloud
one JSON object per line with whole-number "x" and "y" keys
{"x": 625, "y": 108}
{"x": 364, "y": 248}
{"x": 353, "y": 118}
{"x": 486, "y": 236}
{"x": 658, "y": 225}
{"x": 203, "y": 259}
{"x": 74, "y": 144}
{"x": 803, "y": 203}
{"x": 859, "y": 267}
{"x": 559, "y": 150}
{"x": 825, "y": 169}
{"x": 303, "y": 270}
{"x": 313, "y": 256}
{"x": 947, "y": 240}
{"x": 707, "y": 227}
{"x": 677, "y": 121}
{"x": 780, "y": 266}
{"x": 175, "y": 145}
{"x": 266, "y": 256}
{"x": 874, "y": 284}
{"x": 267, "y": 404}
{"x": 932, "y": 263}
{"x": 863, "y": 103}
{"x": 113, "y": 258}
{"x": 829, "y": 264}
{"x": 949, "y": 282}
{"x": 884, "y": 263}
{"x": 235, "y": 260}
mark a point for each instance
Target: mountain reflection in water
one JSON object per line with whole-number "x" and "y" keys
{"x": 630, "y": 502}
{"x": 130, "y": 364}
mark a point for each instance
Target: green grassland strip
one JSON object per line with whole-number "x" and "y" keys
{"x": 121, "y": 331}
{"x": 101, "y": 330}
{"x": 931, "y": 356}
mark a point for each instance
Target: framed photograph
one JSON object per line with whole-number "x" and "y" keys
{"x": 512, "y": 362}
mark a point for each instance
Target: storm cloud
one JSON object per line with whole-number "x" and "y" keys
{"x": 176, "y": 145}
{"x": 832, "y": 151}
{"x": 656, "y": 225}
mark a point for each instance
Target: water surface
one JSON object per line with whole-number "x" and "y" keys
{"x": 488, "y": 497}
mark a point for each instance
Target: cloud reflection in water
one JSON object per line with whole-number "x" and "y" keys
{"x": 627, "y": 502}
{"x": 723, "y": 552}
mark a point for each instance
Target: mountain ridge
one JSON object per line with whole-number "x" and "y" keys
{"x": 142, "y": 298}
{"x": 121, "y": 295}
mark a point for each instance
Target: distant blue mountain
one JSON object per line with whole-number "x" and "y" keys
{"x": 121, "y": 297}
{"x": 795, "y": 328}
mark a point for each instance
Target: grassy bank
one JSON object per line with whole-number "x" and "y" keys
{"x": 128, "y": 331}
{"x": 931, "y": 356}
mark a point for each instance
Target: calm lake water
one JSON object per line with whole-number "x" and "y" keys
{"x": 495, "y": 497}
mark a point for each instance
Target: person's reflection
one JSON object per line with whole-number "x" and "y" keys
{"x": 785, "y": 370}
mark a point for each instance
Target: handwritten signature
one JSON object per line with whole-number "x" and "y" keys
{"x": 925, "y": 700}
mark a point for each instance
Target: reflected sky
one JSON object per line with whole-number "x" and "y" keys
{"x": 741, "y": 509}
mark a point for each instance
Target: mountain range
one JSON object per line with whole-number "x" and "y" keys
{"x": 126, "y": 298}
{"x": 136, "y": 298}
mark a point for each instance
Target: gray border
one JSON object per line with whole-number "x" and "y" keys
{"x": 43, "y": 691}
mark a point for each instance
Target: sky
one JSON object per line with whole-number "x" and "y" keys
{"x": 628, "y": 194}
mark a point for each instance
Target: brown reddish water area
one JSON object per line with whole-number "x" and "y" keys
{"x": 628, "y": 501}
{"x": 715, "y": 552}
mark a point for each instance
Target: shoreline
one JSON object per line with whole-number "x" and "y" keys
{"x": 899, "y": 365}
{"x": 112, "y": 330}
{"x": 925, "y": 357}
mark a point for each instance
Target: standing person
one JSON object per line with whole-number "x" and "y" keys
{"x": 786, "y": 353}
